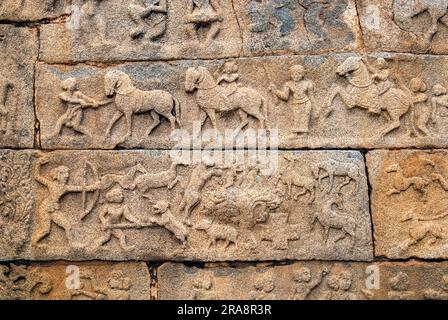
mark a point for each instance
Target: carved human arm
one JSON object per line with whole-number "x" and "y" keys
{"x": 434, "y": 104}
{"x": 37, "y": 175}
{"x": 128, "y": 217}
{"x": 283, "y": 93}
{"x": 86, "y": 101}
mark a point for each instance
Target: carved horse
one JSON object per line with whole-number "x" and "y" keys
{"x": 406, "y": 10}
{"x": 362, "y": 92}
{"x": 212, "y": 99}
{"x": 129, "y": 101}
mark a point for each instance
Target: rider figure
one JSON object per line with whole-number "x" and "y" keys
{"x": 229, "y": 81}
{"x": 381, "y": 75}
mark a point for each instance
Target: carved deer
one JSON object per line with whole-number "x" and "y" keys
{"x": 290, "y": 179}
{"x": 329, "y": 218}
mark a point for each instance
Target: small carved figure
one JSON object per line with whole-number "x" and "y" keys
{"x": 168, "y": 221}
{"x": 126, "y": 180}
{"x": 50, "y": 210}
{"x": 119, "y": 286}
{"x": 75, "y": 101}
{"x": 5, "y": 87}
{"x": 440, "y": 98}
{"x": 93, "y": 22}
{"x": 199, "y": 176}
{"x": 229, "y": 78}
{"x": 217, "y": 232}
{"x": 364, "y": 93}
{"x": 404, "y": 12}
{"x": 400, "y": 285}
{"x": 89, "y": 288}
{"x": 331, "y": 217}
{"x": 422, "y": 114}
{"x": 129, "y": 101}
{"x": 438, "y": 294}
{"x": 400, "y": 183}
{"x": 301, "y": 94}
{"x": 340, "y": 285}
{"x": 320, "y": 14}
{"x": 303, "y": 284}
{"x": 213, "y": 98}
{"x": 332, "y": 168}
{"x": 204, "y": 14}
{"x": 264, "y": 287}
{"x": 202, "y": 287}
{"x": 381, "y": 75}
{"x": 308, "y": 184}
{"x": 114, "y": 216}
{"x": 150, "y": 17}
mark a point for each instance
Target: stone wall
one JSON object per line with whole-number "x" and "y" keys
{"x": 223, "y": 149}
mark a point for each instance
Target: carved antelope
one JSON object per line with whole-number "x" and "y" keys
{"x": 329, "y": 218}
{"x": 307, "y": 184}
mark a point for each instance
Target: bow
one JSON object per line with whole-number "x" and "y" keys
{"x": 88, "y": 209}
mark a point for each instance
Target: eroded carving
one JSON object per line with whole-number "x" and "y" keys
{"x": 150, "y": 18}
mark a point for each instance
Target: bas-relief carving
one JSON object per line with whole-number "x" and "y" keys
{"x": 306, "y": 281}
{"x": 325, "y": 101}
{"x": 17, "y": 202}
{"x": 415, "y": 182}
{"x": 80, "y": 281}
{"x": 113, "y": 30}
{"x": 122, "y": 205}
{"x": 406, "y": 25}
{"x": 297, "y": 26}
{"x": 31, "y": 10}
{"x": 18, "y": 49}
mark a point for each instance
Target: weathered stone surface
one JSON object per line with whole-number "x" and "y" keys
{"x": 80, "y": 281}
{"x": 409, "y": 203}
{"x": 31, "y": 10}
{"x": 305, "y": 280}
{"x": 404, "y": 25}
{"x": 116, "y": 30}
{"x": 18, "y": 51}
{"x": 400, "y": 101}
{"x": 285, "y": 26}
{"x": 141, "y": 205}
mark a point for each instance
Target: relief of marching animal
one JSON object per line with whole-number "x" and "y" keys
{"x": 129, "y": 101}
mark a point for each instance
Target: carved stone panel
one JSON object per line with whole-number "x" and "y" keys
{"x": 31, "y": 10}
{"x": 409, "y": 203}
{"x": 331, "y": 101}
{"x": 18, "y": 51}
{"x": 306, "y": 281}
{"x": 289, "y": 26}
{"x": 418, "y": 26}
{"x": 76, "y": 281}
{"x": 115, "y": 30}
{"x": 153, "y": 206}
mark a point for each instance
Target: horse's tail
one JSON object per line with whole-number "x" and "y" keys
{"x": 177, "y": 110}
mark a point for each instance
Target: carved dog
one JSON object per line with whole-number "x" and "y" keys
{"x": 400, "y": 183}
{"x": 165, "y": 179}
{"x": 217, "y": 232}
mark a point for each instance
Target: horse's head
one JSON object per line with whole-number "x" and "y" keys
{"x": 113, "y": 80}
{"x": 191, "y": 79}
{"x": 350, "y": 65}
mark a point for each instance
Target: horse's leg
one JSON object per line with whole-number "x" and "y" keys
{"x": 244, "y": 121}
{"x": 394, "y": 123}
{"x": 156, "y": 121}
{"x": 128, "y": 117}
{"x": 336, "y": 90}
{"x": 212, "y": 115}
{"x": 117, "y": 116}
